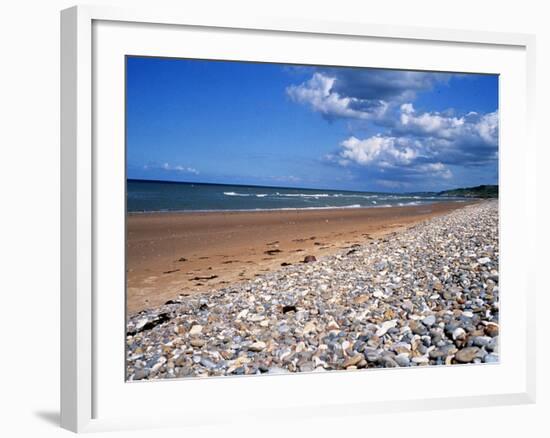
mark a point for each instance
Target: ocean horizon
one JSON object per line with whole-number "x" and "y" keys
{"x": 147, "y": 196}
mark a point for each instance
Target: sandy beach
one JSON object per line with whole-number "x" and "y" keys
{"x": 173, "y": 254}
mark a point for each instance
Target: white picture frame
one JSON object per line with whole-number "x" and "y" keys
{"x": 86, "y": 374}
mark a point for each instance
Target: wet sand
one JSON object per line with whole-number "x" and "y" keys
{"x": 172, "y": 254}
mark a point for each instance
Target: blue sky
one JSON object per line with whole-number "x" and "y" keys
{"x": 307, "y": 126}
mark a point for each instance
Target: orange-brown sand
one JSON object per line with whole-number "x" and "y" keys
{"x": 169, "y": 254}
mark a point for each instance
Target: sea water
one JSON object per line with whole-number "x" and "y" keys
{"x": 153, "y": 196}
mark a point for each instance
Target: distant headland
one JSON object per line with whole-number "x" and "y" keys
{"x": 483, "y": 191}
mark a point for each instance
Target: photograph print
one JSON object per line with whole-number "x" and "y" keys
{"x": 287, "y": 218}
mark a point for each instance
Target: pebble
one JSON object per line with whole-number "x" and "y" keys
{"x": 491, "y": 330}
{"x": 403, "y": 360}
{"x": 421, "y": 360}
{"x": 257, "y": 346}
{"x": 429, "y": 320}
{"x": 388, "y": 362}
{"x": 418, "y": 328}
{"x": 428, "y": 295}
{"x": 352, "y": 361}
{"x": 141, "y": 374}
{"x": 197, "y": 343}
{"x": 459, "y": 333}
{"x": 466, "y": 354}
{"x": 196, "y": 330}
{"x": 307, "y": 367}
{"x": 386, "y": 325}
{"x": 372, "y": 356}
{"x": 309, "y": 327}
{"x": 481, "y": 341}
{"x": 207, "y": 363}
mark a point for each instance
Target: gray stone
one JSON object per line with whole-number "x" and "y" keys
{"x": 353, "y": 360}
{"x": 481, "y": 341}
{"x": 307, "y": 367}
{"x": 459, "y": 333}
{"x": 429, "y": 320}
{"x": 141, "y": 374}
{"x": 403, "y": 360}
{"x": 467, "y": 354}
{"x": 491, "y": 358}
{"x": 207, "y": 363}
{"x": 372, "y": 355}
{"x": 388, "y": 362}
{"x": 257, "y": 346}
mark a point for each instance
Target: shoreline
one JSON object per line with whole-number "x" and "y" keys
{"x": 343, "y": 207}
{"x": 182, "y": 253}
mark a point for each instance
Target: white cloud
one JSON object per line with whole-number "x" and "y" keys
{"x": 172, "y": 168}
{"x": 363, "y": 94}
{"x": 435, "y": 169}
{"x": 402, "y": 120}
{"x": 318, "y": 93}
{"x": 407, "y": 108}
{"x": 410, "y": 144}
{"x": 480, "y": 129}
{"x": 383, "y": 151}
{"x": 487, "y": 127}
{"x": 391, "y": 154}
{"x": 429, "y": 123}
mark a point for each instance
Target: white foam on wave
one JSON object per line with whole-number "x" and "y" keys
{"x": 374, "y": 199}
{"x": 342, "y": 195}
{"x": 235, "y": 194}
{"x": 304, "y": 195}
{"x": 324, "y": 195}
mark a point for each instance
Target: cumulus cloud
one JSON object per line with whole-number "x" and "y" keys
{"x": 479, "y": 129}
{"x": 318, "y": 93}
{"x": 435, "y": 169}
{"x": 388, "y": 85}
{"x": 364, "y": 94}
{"x": 470, "y": 140}
{"x": 428, "y": 123}
{"x": 424, "y": 144}
{"x": 384, "y": 154}
{"x": 385, "y": 98}
{"x": 379, "y": 150}
{"x": 487, "y": 127}
{"x": 410, "y": 144}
